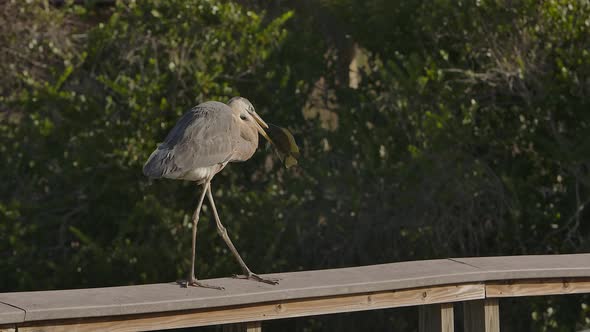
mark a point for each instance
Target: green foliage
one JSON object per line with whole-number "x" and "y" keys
{"x": 461, "y": 130}
{"x": 484, "y": 124}
{"x": 78, "y": 209}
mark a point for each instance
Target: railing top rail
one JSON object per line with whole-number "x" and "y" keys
{"x": 21, "y": 307}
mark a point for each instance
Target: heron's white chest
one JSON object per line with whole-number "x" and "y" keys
{"x": 202, "y": 174}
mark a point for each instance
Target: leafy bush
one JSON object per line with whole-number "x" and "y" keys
{"x": 79, "y": 212}
{"x": 428, "y": 130}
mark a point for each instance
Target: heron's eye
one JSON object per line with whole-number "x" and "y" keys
{"x": 243, "y": 117}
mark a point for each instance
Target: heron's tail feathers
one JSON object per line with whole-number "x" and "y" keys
{"x": 156, "y": 165}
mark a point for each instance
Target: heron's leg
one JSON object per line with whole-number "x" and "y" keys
{"x": 192, "y": 281}
{"x": 223, "y": 232}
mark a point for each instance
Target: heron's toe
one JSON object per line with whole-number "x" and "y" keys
{"x": 195, "y": 283}
{"x": 255, "y": 277}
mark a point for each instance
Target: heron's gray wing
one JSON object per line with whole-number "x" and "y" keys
{"x": 203, "y": 137}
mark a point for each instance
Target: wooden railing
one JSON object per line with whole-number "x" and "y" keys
{"x": 434, "y": 285}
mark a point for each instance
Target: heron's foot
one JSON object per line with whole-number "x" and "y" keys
{"x": 195, "y": 283}
{"x": 253, "y": 276}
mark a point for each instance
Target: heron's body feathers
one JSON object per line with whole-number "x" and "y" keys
{"x": 201, "y": 143}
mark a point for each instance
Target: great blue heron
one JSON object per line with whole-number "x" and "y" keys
{"x": 199, "y": 146}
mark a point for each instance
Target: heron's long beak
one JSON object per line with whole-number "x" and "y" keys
{"x": 259, "y": 120}
{"x": 259, "y": 124}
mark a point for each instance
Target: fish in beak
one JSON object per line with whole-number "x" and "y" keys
{"x": 285, "y": 145}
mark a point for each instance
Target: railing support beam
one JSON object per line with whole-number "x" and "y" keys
{"x": 436, "y": 318}
{"x": 481, "y": 315}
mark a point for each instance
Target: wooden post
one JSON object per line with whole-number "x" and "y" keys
{"x": 447, "y": 317}
{"x": 481, "y": 315}
{"x": 243, "y": 327}
{"x": 436, "y": 318}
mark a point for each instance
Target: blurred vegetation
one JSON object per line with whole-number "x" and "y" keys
{"x": 427, "y": 129}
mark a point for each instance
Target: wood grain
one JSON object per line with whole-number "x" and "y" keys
{"x": 266, "y": 311}
{"x": 254, "y": 327}
{"x": 537, "y": 287}
{"x": 492, "y": 315}
{"x": 447, "y": 317}
{"x": 7, "y": 328}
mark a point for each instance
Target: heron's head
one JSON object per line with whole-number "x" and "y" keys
{"x": 244, "y": 108}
